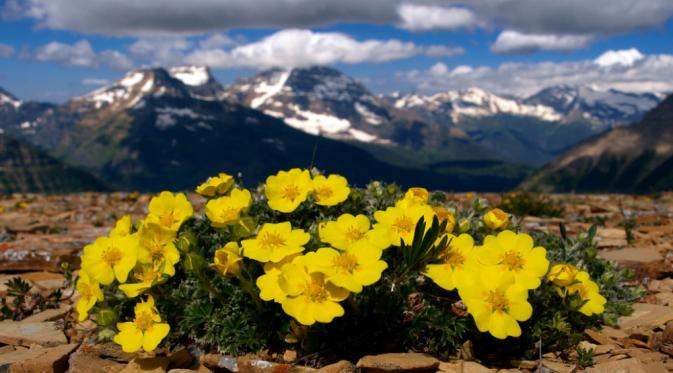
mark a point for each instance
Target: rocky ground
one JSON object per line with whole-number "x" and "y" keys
{"x": 41, "y": 234}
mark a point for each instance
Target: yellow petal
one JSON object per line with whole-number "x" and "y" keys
{"x": 153, "y": 336}
{"x": 131, "y": 339}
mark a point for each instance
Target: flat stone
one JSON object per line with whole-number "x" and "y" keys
{"x": 109, "y": 350}
{"x": 147, "y": 365}
{"x": 648, "y": 315}
{"x": 252, "y": 364}
{"x": 632, "y": 254}
{"x": 472, "y": 367}
{"x": 31, "y": 333}
{"x": 599, "y": 337}
{"x": 398, "y": 362}
{"x": 655, "y": 367}
{"x": 451, "y": 367}
{"x": 559, "y": 367}
{"x": 38, "y": 359}
{"x": 621, "y": 366}
{"x": 180, "y": 359}
{"x": 87, "y": 362}
{"x": 343, "y": 366}
{"x": 50, "y": 314}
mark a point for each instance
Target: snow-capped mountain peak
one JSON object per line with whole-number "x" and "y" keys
{"x": 129, "y": 91}
{"x": 7, "y": 98}
{"x": 317, "y": 100}
{"x": 191, "y": 75}
{"x": 603, "y": 106}
{"x": 474, "y": 102}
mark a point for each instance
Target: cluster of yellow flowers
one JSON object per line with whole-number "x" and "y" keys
{"x": 309, "y": 272}
{"x": 146, "y": 255}
{"x": 569, "y": 280}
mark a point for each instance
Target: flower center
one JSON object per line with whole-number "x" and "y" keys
{"x": 346, "y": 262}
{"x": 513, "y": 261}
{"x": 144, "y": 321}
{"x": 496, "y": 299}
{"x": 112, "y": 255}
{"x": 86, "y": 292}
{"x": 323, "y": 193}
{"x": 156, "y": 250}
{"x": 354, "y": 234}
{"x": 271, "y": 240}
{"x": 316, "y": 292}
{"x": 167, "y": 219}
{"x": 403, "y": 224}
{"x": 291, "y": 192}
{"x": 229, "y": 213}
{"x": 453, "y": 258}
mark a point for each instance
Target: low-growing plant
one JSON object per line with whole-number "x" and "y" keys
{"x": 531, "y": 204}
{"x": 309, "y": 263}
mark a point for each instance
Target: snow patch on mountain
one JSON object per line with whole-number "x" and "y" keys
{"x": 8, "y": 99}
{"x": 268, "y": 89}
{"x": 166, "y": 116}
{"x": 190, "y": 75}
{"x": 475, "y": 102}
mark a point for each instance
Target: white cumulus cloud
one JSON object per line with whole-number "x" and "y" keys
{"x": 415, "y": 17}
{"x": 624, "y": 57}
{"x": 81, "y": 54}
{"x": 651, "y": 73}
{"x": 95, "y": 81}
{"x": 514, "y": 42}
{"x": 295, "y": 48}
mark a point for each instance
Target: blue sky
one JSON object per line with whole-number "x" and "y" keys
{"x": 53, "y": 50}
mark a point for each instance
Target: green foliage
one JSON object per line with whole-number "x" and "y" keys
{"x": 585, "y": 357}
{"x": 531, "y": 204}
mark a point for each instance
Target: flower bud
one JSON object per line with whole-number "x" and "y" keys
{"x": 464, "y": 225}
{"x": 496, "y": 219}
{"x": 562, "y": 274}
{"x": 106, "y": 317}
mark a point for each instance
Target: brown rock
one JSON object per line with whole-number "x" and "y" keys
{"x": 655, "y": 367}
{"x": 648, "y": 315}
{"x": 604, "y": 349}
{"x": 146, "y": 365}
{"x": 87, "y": 362}
{"x": 625, "y": 366}
{"x": 27, "y": 333}
{"x": 343, "y": 366}
{"x": 252, "y": 364}
{"x": 398, "y": 362}
{"x": 598, "y": 337}
{"x": 558, "y": 367}
{"x": 473, "y": 367}
{"x": 217, "y": 361}
{"x": 289, "y": 356}
{"x": 38, "y": 359}
{"x": 667, "y": 335}
{"x": 180, "y": 359}
{"x": 109, "y": 350}
{"x": 49, "y": 314}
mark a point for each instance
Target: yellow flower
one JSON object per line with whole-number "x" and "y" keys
{"x": 455, "y": 268}
{"x": 515, "y": 253}
{"x": 401, "y": 221}
{"x": 359, "y": 265}
{"x": 445, "y": 215}
{"x": 348, "y": 230}
{"x": 331, "y": 190}
{"x": 274, "y": 242}
{"x": 215, "y": 185}
{"x": 227, "y": 210}
{"x": 414, "y": 196}
{"x": 562, "y": 274}
{"x": 157, "y": 246}
{"x": 287, "y": 189}
{"x": 310, "y": 298}
{"x": 145, "y": 331}
{"x": 228, "y": 259}
{"x": 122, "y": 227}
{"x": 170, "y": 210}
{"x": 147, "y": 275}
{"x": 269, "y": 282}
{"x": 496, "y": 303}
{"x": 589, "y": 292}
{"x": 89, "y": 292}
{"x": 110, "y": 257}
{"x": 496, "y": 219}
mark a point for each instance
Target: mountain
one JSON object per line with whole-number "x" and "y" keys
{"x": 26, "y": 169}
{"x": 325, "y": 101}
{"x": 473, "y": 103}
{"x": 532, "y": 130}
{"x": 159, "y": 129}
{"x": 17, "y": 117}
{"x": 636, "y": 159}
{"x": 602, "y": 107}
